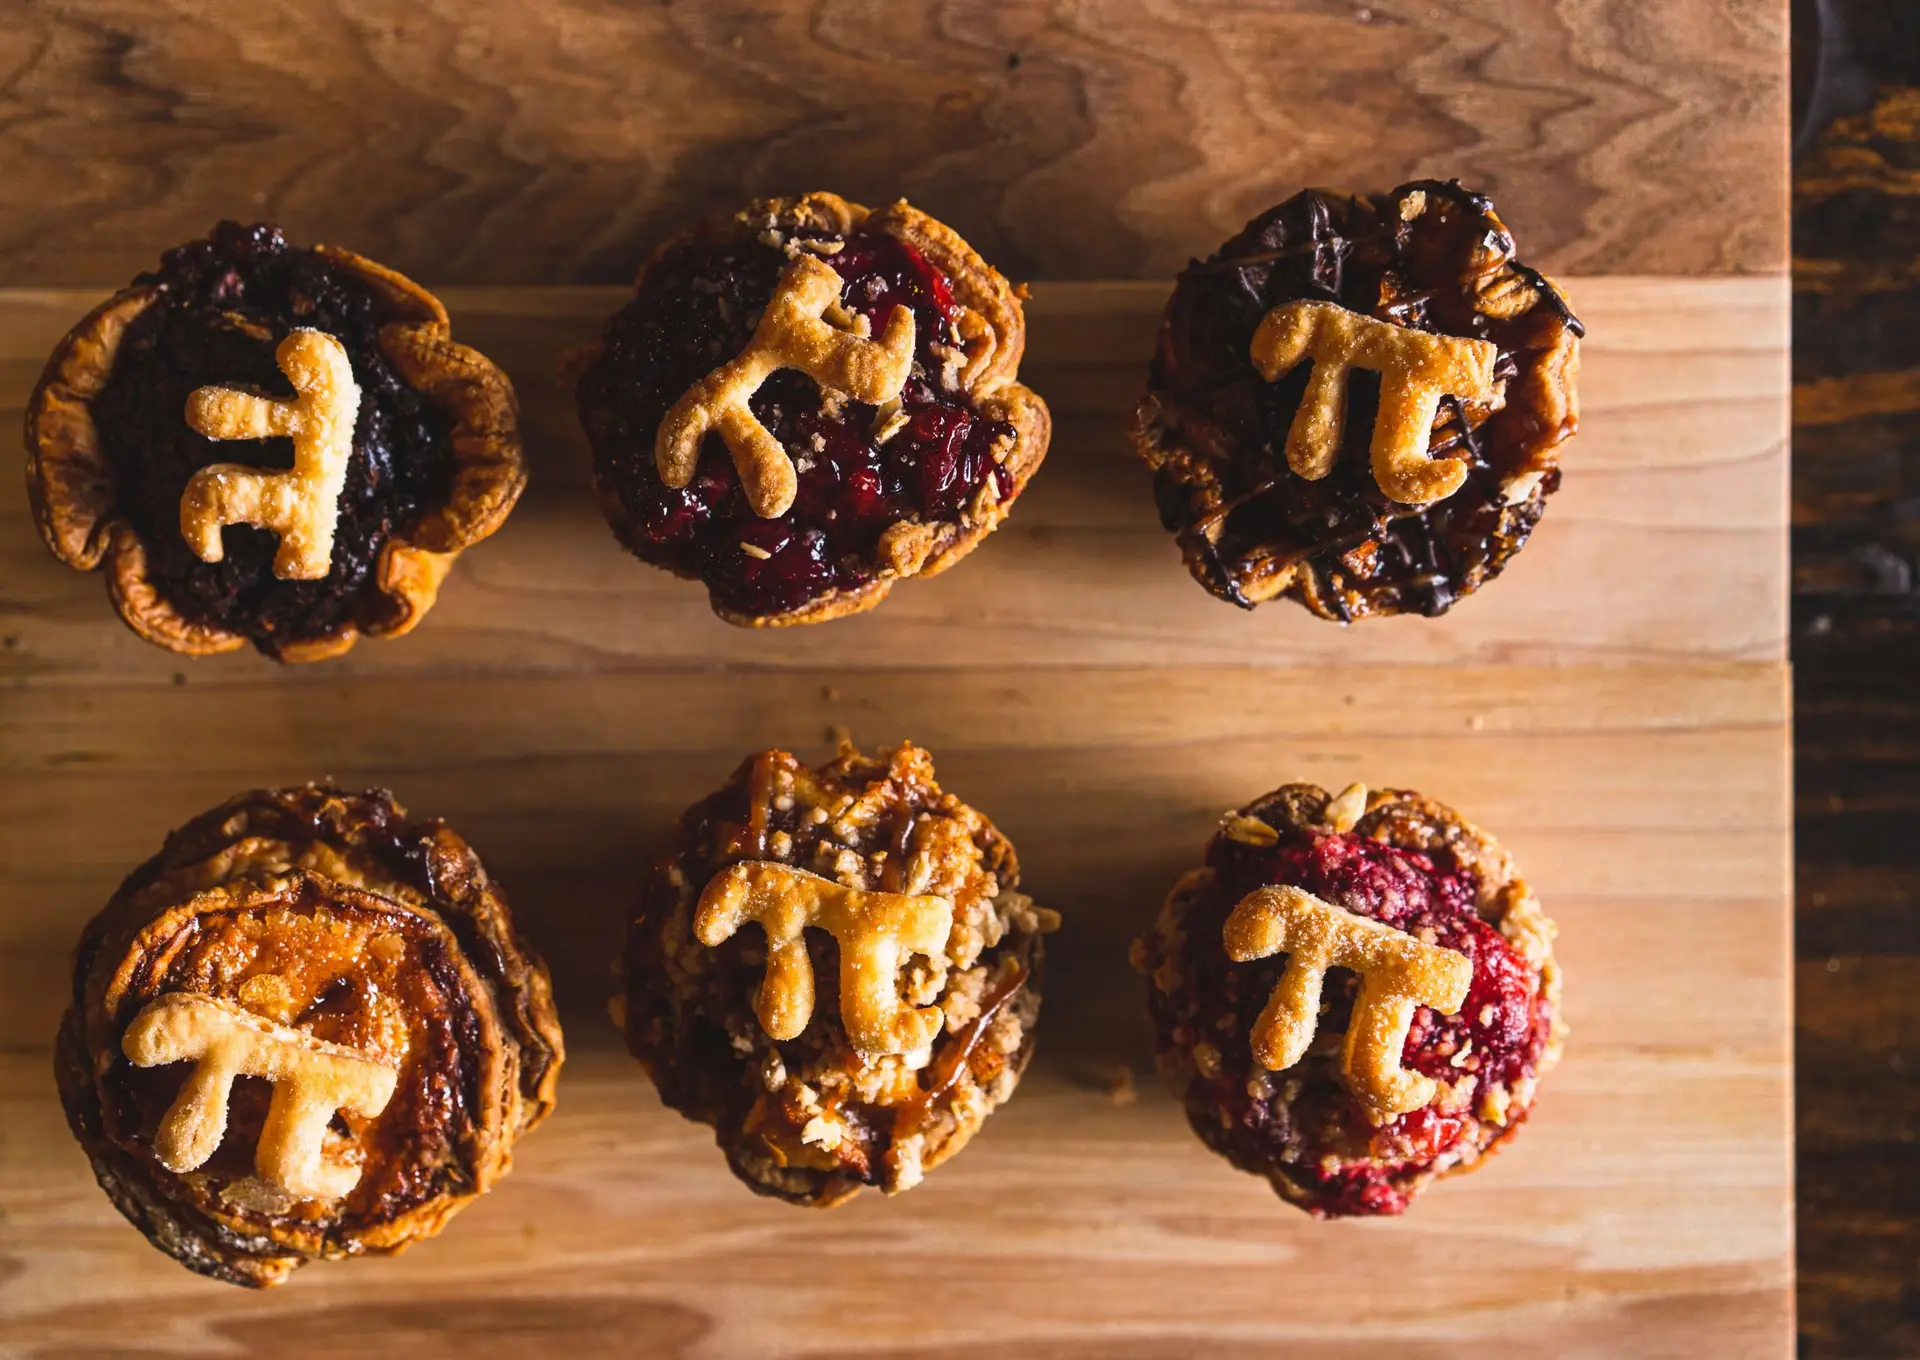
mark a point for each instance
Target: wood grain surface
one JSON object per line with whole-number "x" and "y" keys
{"x": 1675, "y": 521}
{"x": 1856, "y": 645}
{"x": 1615, "y": 709}
{"x": 1645, "y": 1206}
{"x": 495, "y": 141}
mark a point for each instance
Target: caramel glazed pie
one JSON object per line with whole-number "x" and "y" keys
{"x": 305, "y": 1029}
{"x": 862, "y": 873}
{"x": 269, "y": 444}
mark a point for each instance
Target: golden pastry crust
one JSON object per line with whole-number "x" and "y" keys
{"x": 811, "y": 1119}
{"x": 334, "y": 915}
{"x": 993, "y": 329}
{"x": 1305, "y": 1129}
{"x": 299, "y": 505}
{"x": 71, "y": 482}
{"x": 1397, "y": 971}
{"x": 877, "y": 934}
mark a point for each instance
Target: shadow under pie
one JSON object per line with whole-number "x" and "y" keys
{"x": 304, "y": 1030}
{"x": 1353, "y": 996}
{"x": 194, "y": 524}
{"x": 836, "y": 970}
{"x": 809, "y": 402}
{"x": 1398, "y": 450}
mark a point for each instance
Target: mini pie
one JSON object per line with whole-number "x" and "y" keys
{"x": 305, "y": 1029}
{"x": 801, "y": 445}
{"x": 118, "y": 437}
{"x": 1353, "y": 996}
{"x": 1364, "y": 330}
{"x": 817, "y": 1081}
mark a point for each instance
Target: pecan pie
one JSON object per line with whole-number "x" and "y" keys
{"x": 305, "y": 1029}
{"x": 1397, "y": 1034}
{"x": 808, "y": 402}
{"x": 798, "y": 903}
{"x": 1257, "y": 520}
{"x": 116, "y": 463}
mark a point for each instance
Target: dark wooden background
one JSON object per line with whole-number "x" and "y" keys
{"x": 508, "y": 142}
{"x": 1856, "y": 646}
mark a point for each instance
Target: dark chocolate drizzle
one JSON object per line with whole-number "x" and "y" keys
{"x": 1217, "y": 431}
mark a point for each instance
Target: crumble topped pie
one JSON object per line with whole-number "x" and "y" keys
{"x": 1368, "y": 527}
{"x": 807, "y": 403}
{"x": 866, "y": 1049}
{"x": 1353, "y": 996}
{"x": 305, "y": 1029}
{"x": 167, "y": 426}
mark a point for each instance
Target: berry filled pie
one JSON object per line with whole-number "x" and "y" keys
{"x": 836, "y": 969}
{"x": 808, "y": 402}
{"x": 270, "y": 444}
{"x": 1353, "y": 996}
{"x": 1359, "y": 402}
{"x": 305, "y": 1029}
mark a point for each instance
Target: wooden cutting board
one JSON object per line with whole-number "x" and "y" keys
{"x": 1614, "y": 708}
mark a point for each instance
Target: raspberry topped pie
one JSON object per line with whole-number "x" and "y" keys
{"x": 1353, "y": 996}
{"x": 836, "y": 969}
{"x": 305, "y": 1029}
{"x": 272, "y": 444}
{"x": 1359, "y": 402}
{"x": 809, "y": 402}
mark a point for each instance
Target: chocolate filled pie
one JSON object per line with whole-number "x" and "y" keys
{"x": 1353, "y": 996}
{"x": 305, "y": 1029}
{"x": 808, "y": 402}
{"x": 250, "y": 399}
{"x": 1359, "y": 402}
{"x": 835, "y": 968}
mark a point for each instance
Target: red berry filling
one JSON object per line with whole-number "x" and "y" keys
{"x": 1318, "y": 1133}
{"x": 695, "y": 310}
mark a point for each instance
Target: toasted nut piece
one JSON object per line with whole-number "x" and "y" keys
{"x": 1342, "y": 812}
{"x": 1416, "y": 369}
{"x": 888, "y": 421}
{"x": 311, "y": 1079}
{"x": 302, "y": 505}
{"x": 878, "y": 933}
{"x": 1249, "y": 830}
{"x": 791, "y": 334}
{"x": 1397, "y": 973}
{"x": 1521, "y": 487}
